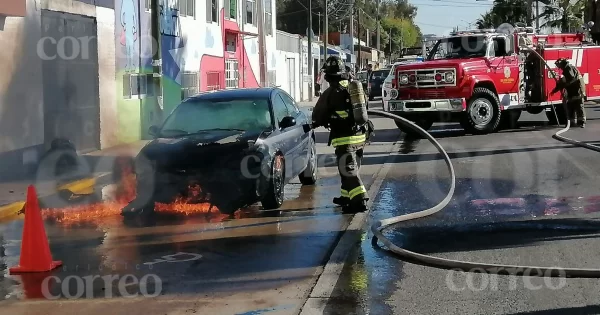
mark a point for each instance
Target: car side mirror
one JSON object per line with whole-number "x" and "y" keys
{"x": 154, "y": 131}
{"x": 287, "y": 122}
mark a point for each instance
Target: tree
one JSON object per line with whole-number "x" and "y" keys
{"x": 404, "y": 33}
{"x": 563, "y": 14}
{"x": 504, "y": 11}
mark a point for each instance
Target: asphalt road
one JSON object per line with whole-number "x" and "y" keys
{"x": 269, "y": 262}
{"x": 520, "y": 198}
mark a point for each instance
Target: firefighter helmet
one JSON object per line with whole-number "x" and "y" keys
{"x": 334, "y": 66}
{"x": 561, "y": 63}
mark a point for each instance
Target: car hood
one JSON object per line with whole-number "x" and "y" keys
{"x": 444, "y": 63}
{"x": 206, "y": 150}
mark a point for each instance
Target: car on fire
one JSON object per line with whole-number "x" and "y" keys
{"x": 485, "y": 79}
{"x": 239, "y": 146}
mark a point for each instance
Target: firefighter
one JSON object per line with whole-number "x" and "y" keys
{"x": 347, "y": 118}
{"x": 572, "y": 82}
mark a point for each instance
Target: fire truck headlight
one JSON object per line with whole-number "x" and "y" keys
{"x": 393, "y": 93}
{"x": 449, "y": 77}
{"x": 404, "y": 79}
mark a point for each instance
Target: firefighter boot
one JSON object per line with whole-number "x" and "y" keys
{"x": 581, "y": 124}
{"x": 341, "y": 201}
{"x": 357, "y": 205}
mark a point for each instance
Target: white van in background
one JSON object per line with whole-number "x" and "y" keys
{"x": 388, "y": 82}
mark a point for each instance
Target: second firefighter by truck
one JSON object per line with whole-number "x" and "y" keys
{"x": 342, "y": 108}
{"x": 574, "y": 91}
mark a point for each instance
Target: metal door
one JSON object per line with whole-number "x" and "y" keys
{"x": 291, "y": 66}
{"x": 70, "y": 79}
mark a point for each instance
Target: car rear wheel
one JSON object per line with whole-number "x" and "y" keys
{"x": 274, "y": 197}
{"x": 309, "y": 175}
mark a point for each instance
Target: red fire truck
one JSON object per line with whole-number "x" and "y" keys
{"x": 484, "y": 79}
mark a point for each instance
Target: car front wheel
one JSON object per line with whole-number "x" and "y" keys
{"x": 274, "y": 196}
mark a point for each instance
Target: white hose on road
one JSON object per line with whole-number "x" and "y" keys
{"x": 379, "y": 227}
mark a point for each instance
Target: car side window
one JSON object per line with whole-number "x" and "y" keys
{"x": 290, "y": 104}
{"x": 280, "y": 109}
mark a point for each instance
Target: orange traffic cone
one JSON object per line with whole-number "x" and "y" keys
{"x": 35, "y": 251}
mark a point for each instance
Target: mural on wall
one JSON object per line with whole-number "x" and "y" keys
{"x": 129, "y": 33}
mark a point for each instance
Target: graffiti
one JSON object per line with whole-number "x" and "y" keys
{"x": 129, "y": 33}
{"x": 169, "y": 20}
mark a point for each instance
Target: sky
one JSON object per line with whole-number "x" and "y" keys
{"x": 441, "y": 16}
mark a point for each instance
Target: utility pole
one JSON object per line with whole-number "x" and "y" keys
{"x": 390, "y": 44}
{"x": 358, "y": 36}
{"x": 326, "y": 30}
{"x": 261, "y": 43}
{"x": 378, "y": 29}
{"x": 351, "y": 32}
{"x": 309, "y": 52}
{"x": 537, "y": 16}
{"x": 156, "y": 55}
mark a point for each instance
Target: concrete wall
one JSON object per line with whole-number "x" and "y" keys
{"x": 21, "y": 111}
{"x": 21, "y": 83}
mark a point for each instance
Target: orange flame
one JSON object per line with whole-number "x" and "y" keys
{"x": 103, "y": 212}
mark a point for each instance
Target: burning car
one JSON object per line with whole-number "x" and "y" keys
{"x": 231, "y": 148}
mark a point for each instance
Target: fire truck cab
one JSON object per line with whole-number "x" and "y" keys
{"x": 484, "y": 79}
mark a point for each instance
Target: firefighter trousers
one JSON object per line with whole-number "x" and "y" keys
{"x": 349, "y": 159}
{"x": 576, "y": 111}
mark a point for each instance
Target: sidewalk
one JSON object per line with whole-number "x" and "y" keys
{"x": 94, "y": 167}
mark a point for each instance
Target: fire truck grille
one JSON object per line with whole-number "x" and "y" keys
{"x": 429, "y": 78}
{"x": 433, "y": 94}
{"x": 418, "y": 105}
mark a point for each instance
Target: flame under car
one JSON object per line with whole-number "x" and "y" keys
{"x": 238, "y": 146}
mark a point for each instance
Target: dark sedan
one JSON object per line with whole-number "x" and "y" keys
{"x": 376, "y": 83}
{"x": 239, "y": 146}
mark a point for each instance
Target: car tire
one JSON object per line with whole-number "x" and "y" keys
{"x": 274, "y": 196}
{"x": 483, "y": 112}
{"x": 309, "y": 175}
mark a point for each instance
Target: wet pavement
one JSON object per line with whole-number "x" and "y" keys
{"x": 255, "y": 262}
{"x": 534, "y": 204}
{"x": 267, "y": 262}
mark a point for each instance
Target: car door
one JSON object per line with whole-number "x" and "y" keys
{"x": 299, "y": 140}
{"x": 282, "y": 138}
{"x": 504, "y": 66}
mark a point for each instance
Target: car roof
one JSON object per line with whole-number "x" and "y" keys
{"x": 264, "y": 92}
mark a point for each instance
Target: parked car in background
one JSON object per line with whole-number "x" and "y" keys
{"x": 389, "y": 83}
{"x": 375, "y": 83}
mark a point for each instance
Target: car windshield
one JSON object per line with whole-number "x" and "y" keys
{"x": 196, "y": 116}
{"x": 459, "y": 47}
{"x": 380, "y": 74}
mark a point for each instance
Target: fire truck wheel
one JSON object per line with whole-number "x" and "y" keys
{"x": 483, "y": 112}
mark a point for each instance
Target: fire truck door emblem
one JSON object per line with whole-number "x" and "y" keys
{"x": 507, "y": 72}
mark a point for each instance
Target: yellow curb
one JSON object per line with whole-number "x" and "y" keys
{"x": 81, "y": 187}
{"x": 11, "y": 210}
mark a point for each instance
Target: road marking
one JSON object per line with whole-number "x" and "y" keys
{"x": 332, "y": 271}
{"x": 173, "y": 258}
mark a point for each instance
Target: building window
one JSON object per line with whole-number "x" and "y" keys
{"x": 231, "y": 74}
{"x": 231, "y": 9}
{"x": 250, "y": 9}
{"x": 212, "y": 11}
{"x": 213, "y": 81}
{"x": 147, "y": 5}
{"x": 231, "y": 41}
{"x": 271, "y": 78}
{"x": 189, "y": 84}
{"x": 268, "y": 17}
{"x": 137, "y": 85}
{"x": 186, "y": 7}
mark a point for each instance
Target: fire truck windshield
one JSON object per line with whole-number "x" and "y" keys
{"x": 459, "y": 47}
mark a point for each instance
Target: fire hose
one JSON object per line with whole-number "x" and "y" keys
{"x": 379, "y": 227}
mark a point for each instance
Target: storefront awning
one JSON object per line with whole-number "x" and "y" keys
{"x": 334, "y": 51}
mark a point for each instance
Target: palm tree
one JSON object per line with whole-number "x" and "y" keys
{"x": 504, "y": 11}
{"x": 563, "y": 14}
